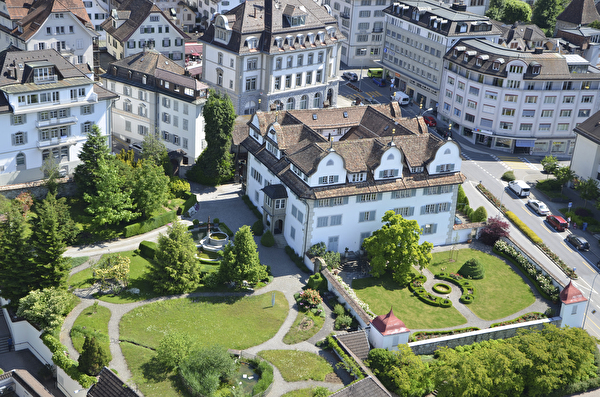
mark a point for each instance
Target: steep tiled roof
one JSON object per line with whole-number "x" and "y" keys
{"x": 27, "y": 382}
{"x": 17, "y": 9}
{"x": 389, "y": 324}
{"x": 366, "y": 387}
{"x": 103, "y": 93}
{"x": 590, "y": 128}
{"x": 41, "y": 10}
{"x": 579, "y": 12}
{"x": 110, "y": 385}
{"x": 570, "y": 294}
{"x": 357, "y": 342}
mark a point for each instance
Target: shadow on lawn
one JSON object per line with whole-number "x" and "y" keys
{"x": 386, "y": 281}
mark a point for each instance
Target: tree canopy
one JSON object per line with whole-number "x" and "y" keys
{"x": 93, "y": 151}
{"x": 203, "y": 369}
{"x": 47, "y": 308}
{"x": 588, "y": 190}
{"x": 240, "y": 260}
{"x": 516, "y": 11}
{"x": 93, "y": 357}
{"x": 155, "y": 151}
{"x": 151, "y": 188}
{"x": 564, "y": 175}
{"x": 396, "y": 247}
{"x": 545, "y": 12}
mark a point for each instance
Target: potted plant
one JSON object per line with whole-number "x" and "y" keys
{"x": 196, "y": 223}
{"x": 346, "y": 250}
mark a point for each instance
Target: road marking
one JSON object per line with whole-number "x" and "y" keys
{"x": 566, "y": 246}
{"x": 592, "y": 321}
{"x": 514, "y": 163}
{"x": 588, "y": 265}
{"x": 580, "y": 280}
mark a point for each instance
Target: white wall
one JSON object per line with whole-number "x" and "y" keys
{"x": 68, "y": 385}
{"x": 586, "y": 158}
{"x": 25, "y": 336}
{"x": 573, "y": 314}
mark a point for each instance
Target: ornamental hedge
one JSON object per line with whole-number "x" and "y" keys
{"x": 524, "y": 228}
{"x": 423, "y": 335}
{"x": 416, "y": 287}
{"x": 521, "y": 319}
{"x": 466, "y": 286}
{"x": 148, "y": 249}
{"x": 70, "y": 366}
{"x": 149, "y": 224}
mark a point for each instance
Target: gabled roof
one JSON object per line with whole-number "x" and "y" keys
{"x": 366, "y": 387}
{"x": 590, "y": 128}
{"x": 110, "y": 385}
{"x": 357, "y": 342}
{"x": 389, "y": 324}
{"x": 27, "y": 382}
{"x": 275, "y": 191}
{"x": 41, "y": 9}
{"x": 579, "y": 12}
{"x": 570, "y": 294}
{"x": 17, "y": 9}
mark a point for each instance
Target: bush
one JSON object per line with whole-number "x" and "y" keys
{"x": 267, "y": 239}
{"x": 265, "y": 370}
{"x": 466, "y": 209}
{"x": 332, "y": 259}
{"x": 258, "y": 228}
{"x": 296, "y": 259}
{"x": 472, "y": 269}
{"x": 149, "y": 224}
{"x": 148, "y": 249}
{"x": 342, "y": 322}
{"x": 479, "y": 215}
{"x": 461, "y": 196}
{"x": 524, "y": 228}
{"x": 317, "y": 282}
{"x": 495, "y": 228}
{"x": 68, "y": 365}
{"x": 189, "y": 203}
{"x": 318, "y": 249}
{"x": 179, "y": 187}
{"x": 466, "y": 286}
{"x": 339, "y": 310}
{"x": 508, "y": 176}
{"x": 582, "y": 212}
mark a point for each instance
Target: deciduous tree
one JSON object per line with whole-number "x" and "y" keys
{"x": 550, "y": 164}
{"x": 516, "y": 11}
{"x": 47, "y": 308}
{"x": 495, "y": 228}
{"x": 564, "y": 175}
{"x": 112, "y": 267}
{"x": 240, "y": 260}
{"x": 155, "y": 151}
{"x": 173, "y": 348}
{"x": 151, "y": 188}
{"x": 203, "y": 369}
{"x": 545, "y": 13}
{"x": 94, "y": 150}
{"x": 396, "y": 247}
{"x": 588, "y": 190}
{"x": 176, "y": 266}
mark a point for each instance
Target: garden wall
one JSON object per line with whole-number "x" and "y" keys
{"x": 66, "y": 384}
{"x": 26, "y": 336}
{"x": 355, "y": 310}
{"x": 506, "y": 331}
{"x": 309, "y": 264}
{"x": 38, "y": 189}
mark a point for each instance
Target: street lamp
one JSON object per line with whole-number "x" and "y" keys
{"x": 363, "y": 52}
{"x": 589, "y": 299}
{"x": 258, "y": 103}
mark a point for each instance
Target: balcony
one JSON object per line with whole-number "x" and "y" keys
{"x": 45, "y": 79}
{"x": 377, "y": 30}
{"x": 67, "y": 140}
{"x": 56, "y": 122}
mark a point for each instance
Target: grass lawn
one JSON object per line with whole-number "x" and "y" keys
{"x": 90, "y": 323}
{"x": 296, "y": 365}
{"x": 492, "y": 300}
{"x": 300, "y": 393}
{"x": 233, "y": 322}
{"x": 383, "y": 293}
{"x": 305, "y": 326}
{"x": 77, "y": 261}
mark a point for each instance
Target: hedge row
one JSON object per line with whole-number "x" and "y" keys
{"x": 522, "y": 319}
{"x": 416, "y": 287}
{"x": 149, "y": 224}
{"x": 148, "y": 249}
{"x": 296, "y": 259}
{"x": 542, "y": 283}
{"x": 347, "y": 362}
{"x": 464, "y": 284}
{"x": 524, "y": 228}
{"x": 424, "y": 335}
{"x": 265, "y": 371}
{"x": 189, "y": 203}
{"x": 252, "y": 207}
{"x": 70, "y": 366}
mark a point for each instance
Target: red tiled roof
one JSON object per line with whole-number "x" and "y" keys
{"x": 389, "y": 324}
{"x": 570, "y": 294}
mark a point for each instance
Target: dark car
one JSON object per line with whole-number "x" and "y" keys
{"x": 578, "y": 242}
{"x": 379, "y": 81}
{"x": 457, "y": 221}
{"x": 430, "y": 121}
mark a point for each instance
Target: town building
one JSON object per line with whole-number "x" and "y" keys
{"x": 585, "y": 162}
{"x": 20, "y": 383}
{"x": 525, "y": 36}
{"x": 577, "y": 13}
{"x": 265, "y": 54}
{"x": 312, "y": 190}
{"x": 97, "y": 11}
{"x": 62, "y": 25}
{"x": 182, "y": 11}
{"x": 48, "y": 105}
{"x": 138, "y": 24}
{"x": 208, "y": 9}
{"x": 515, "y": 101}
{"x": 417, "y": 35}
{"x": 361, "y": 22}
{"x": 156, "y": 96}
{"x": 581, "y": 41}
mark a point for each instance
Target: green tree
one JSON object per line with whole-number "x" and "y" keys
{"x": 203, "y": 369}
{"x": 588, "y": 190}
{"x": 93, "y": 357}
{"x": 93, "y": 151}
{"x": 151, "y": 188}
{"x": 47, "y": 308}
{"x": 240, "y": 261}
{"x": 176, "y": 267}
{"x": 112, "y": 268}
{"x": 550, "y": 164}
{"x": 214, "y": 165}
{"x": 16, "y": 266}
{"x": 51, "y": 172}
{"x": 396, "y": 247}
{"x": 48, "y": 241}
{"x": 472, "y": 269}
{"x": 156, "y": 151}
{"x": 173, "y": 348}
{"x": 545, "y": 13}
{"x": 594, "y": 25}
{"x": 496, "y": 9}
{"x": 563, "y": 176}
{"x": 112, "y": 203}
{"x": 401, "y": 371}
{"x": 516, "y": 10}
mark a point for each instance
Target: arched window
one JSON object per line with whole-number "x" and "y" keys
{"x": 21, "y": 166}
{"x": 290, "y": 104}
{"x": 220, "y": 77}
{"x": 330, "y": 162}
{"x": 390, "y": 157}
{"x": 304, "y": 102}
{"x": 278, "y": 105}
{"x": 250, "y": 107}
{"x": 448, "y": 151}
{"x": 317, "y": 100}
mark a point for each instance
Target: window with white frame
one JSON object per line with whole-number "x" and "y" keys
{"x": 366, "y": 216}
{"x": 329, "y": 179}
{"x": 429, "y": 228}
{"x": 364, "y": 198}
{"x": 405, "y": 211}
{"x": 399, "y": 194}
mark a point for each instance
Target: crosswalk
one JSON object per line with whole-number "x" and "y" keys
{"x": 515, "y": 163}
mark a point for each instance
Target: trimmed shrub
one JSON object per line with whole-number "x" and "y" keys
{"x": 179, "y": 187}
{"x": 423, "y": 335}
{"x": 524, "y": 228}
{"x": 508, "y": 176}
{"x": 332, "y": 259}
{"x": 149, "y": 224}
{"x": 441, "y": 288}
{"x": 472, "y": 269}
{"x": 317, "y": 282}
{"x": 479, "y": 215}
{"x": 148, "y": 249}
{"x": 258, "y": 228}
{"x": 339, "y": 310}
{"x": 522, "y": 319}
{"x": 466, "y": 286}
{"x": 318, "y": 249}
{"x": 343, "y": 321}
{"x": 189, "y": 203}
{"x": 267, "y": 239}
{"x": 70, "y": 366}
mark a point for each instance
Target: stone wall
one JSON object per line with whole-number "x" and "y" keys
{"x": 429, "y": 346}
{"x": 38, "y": 189}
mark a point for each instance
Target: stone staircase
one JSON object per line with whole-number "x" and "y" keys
{"x": 280, "y": 240}
{"x": 4, "y": 338}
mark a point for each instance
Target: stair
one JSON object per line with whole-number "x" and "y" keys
{"x": 280, "y": 240}
{"x": 4, "y": 344}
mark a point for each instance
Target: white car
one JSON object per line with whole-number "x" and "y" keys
{"x": 136, "y": 147}
{"x": 538, "y": 207}
{"x": 351, "y": 76}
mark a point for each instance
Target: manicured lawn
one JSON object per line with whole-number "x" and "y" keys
{"x": 300, "y": 393}
{"x": 296, "y": 365}
{"x": 233, "y": 322}
{"x": 383, "y": 293}
{"x": 90, "y": 323}
{"x": 77, "y": 261}
{"x": 305, "y": 326}
{"x": 500, "y": 293}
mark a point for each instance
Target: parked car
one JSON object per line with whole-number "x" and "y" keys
{"x": 457, "y": 221}
{"x": 430, "y": 121}
{"x": 379, "y": 81}
{"x": 557, "y": 222}
{"x": 538, "y": 207}
{"x": 521, "y": 188}
{"x": 136, "y": 147}
{"x": 578, "y": 242}
{"x": 351, "y": 76}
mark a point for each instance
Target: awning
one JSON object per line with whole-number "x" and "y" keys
{"x": 193, "y": 49}
{"x": 525, "y": 143}
{"x": 195, "y": 54}
{"x": 483, "y": 132}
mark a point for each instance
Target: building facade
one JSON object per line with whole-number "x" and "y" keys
{"x": 97, "y": 11}
{"x": 182, "y": 11}
{"x": 312, "y": 190}
{"x": 47, "y": 105}
{"x": 157, "y": 97}
{"x": 417, "y": 35}
{"x": 138, "y": 24}
{"x": 515, "y": 101}
{"x": 265, "y": 54}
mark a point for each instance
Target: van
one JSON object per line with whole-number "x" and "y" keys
{"x": 402, "y": 98}
{"x": 375, "y": 72}
{"x": 520, "y": 188}
{"x": 379, "y": 81}
{"x": 557, "y": 222}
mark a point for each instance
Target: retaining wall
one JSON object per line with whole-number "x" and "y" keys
{"x": 38, "y": 189}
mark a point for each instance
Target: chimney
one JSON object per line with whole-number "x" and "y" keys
{"x": 538, "y": 50}
{"x": 459, "y": 6}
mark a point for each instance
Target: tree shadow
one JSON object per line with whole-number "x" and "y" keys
{"x": 154, "y": 371}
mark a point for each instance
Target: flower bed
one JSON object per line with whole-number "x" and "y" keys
{"x": 542, "y": 282}
{"x": 524, "y": 318}
{"x": 309, "y": 299}
{"x": 466, "y": 286}
{"x": 424, "y": 335}
{"x": 416, "y": 287}
{"x": 441, "y": 288}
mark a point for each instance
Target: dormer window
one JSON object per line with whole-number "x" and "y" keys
{"x": 321, "y": 37}
{"x": 272, "y": 149}
{"x": 278, "y": 42}
{"x": 393, "y": 173}
{"x": 252, "y": 43}
{"x": 357, "y": 177}
{"x": 481, "y": 59}
{"x": 496, "y": 65}
{"x": 331, "y": 32}
{"x": 536, "y": 68}
{"x": 311, "y": 38}
{"x": 256, "y": 135}
{"x": 42, "y": 75}
{"x": 300, "y": 39}
{"x": 461, "y": 27}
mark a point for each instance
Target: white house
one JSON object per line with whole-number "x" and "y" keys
{"x": 138, "y": 24}
{"x": 47, "y": 105}
{"x": 585, "y": 161}
{"x": 517, "y": 101}
{"x": 265, "y": 54}
{"x": 157, "y": 97}
{"x": 181, "y": 10}
{"x": 314, "y": 190}
{"x": 97, "y": 11}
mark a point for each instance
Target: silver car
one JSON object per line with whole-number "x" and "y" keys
{"x": 538, "y": 207}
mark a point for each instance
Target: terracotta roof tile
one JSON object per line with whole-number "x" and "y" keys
{"x": 389, "y": 324}
{"x": 570, "y": 294}
{"x": 41, "y": 9}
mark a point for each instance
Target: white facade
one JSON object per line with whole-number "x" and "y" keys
{"x": 97, "y": 11}
{"x": 183, "y": 13}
